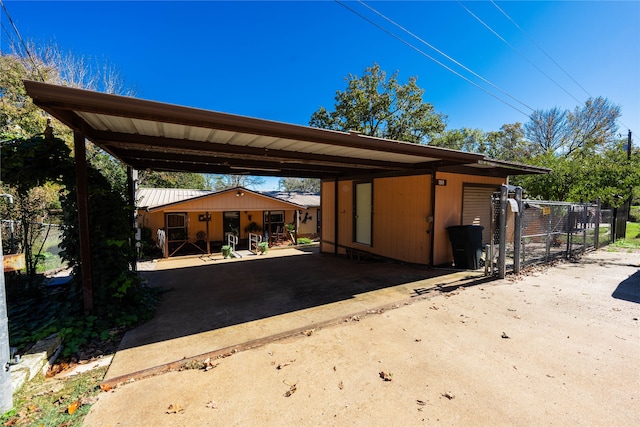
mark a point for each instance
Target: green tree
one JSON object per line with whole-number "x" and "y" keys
{"x": 310, "y": 185}
{"x": 465, "y": 139}
{"x": 609, "y": 175}
{"x": 151, "y": 179}
{"x": 508, "y": 144}
{"x": 383, "y": 108}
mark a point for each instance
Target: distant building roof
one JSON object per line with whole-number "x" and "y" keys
{"x": 299, "y": 198}
{"x": 149, "y": 198}
{"x": 152, "y": 197}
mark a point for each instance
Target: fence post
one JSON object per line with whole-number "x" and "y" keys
{"x": 502, "y": 244}
{"x": 596, "y": 238}
{"x": 517, "y": 231}
{"x": 585, "y": 214}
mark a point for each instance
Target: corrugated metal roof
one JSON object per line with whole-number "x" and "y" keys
{"x": 151, "y": 135}
{"x": 299, "y": 198}
{"x": 152, "y": 197}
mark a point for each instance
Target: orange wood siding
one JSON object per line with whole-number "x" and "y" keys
{"x": 230, "y": 202}
{"x": 448, "y": 210}
{"x": 327, "y": 207}
{"x": 345, "y": 215}
{"x": 310, "y": 227}
{"x": 401, "y": 208}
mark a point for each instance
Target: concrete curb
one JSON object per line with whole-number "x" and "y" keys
{"x": 37, "y": 359}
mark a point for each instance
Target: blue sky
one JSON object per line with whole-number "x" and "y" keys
{"x": 283, "y": 60}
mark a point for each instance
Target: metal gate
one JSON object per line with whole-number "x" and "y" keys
{"x": 526, "y": 232}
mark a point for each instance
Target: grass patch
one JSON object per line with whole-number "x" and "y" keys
{"x": 632, "y": 241}
{"x": 51, "y": 402}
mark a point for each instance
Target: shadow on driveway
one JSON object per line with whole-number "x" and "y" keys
{"x": 204, "y": 298}
{"x": 629, "y": 289}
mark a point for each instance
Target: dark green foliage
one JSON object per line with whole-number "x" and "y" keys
{"x": 376, "y": 106}
{"x": 120, "y": 299}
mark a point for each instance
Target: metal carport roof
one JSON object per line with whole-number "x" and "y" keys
{"x": 151, "y": 135}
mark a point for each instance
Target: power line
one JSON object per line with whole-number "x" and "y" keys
{"x": 444, "y": 54}
{"x": 24, "y": 45}
{"x": 547, "y": 55}
{"x": 430, "y": 57}
{"x": 541, "y": 49}
{"x": 518, "y": 52}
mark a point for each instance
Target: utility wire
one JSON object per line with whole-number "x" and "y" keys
{"x": 518, "y": 52}
{"x": 547, "y": 54}
{"x": 429, "y": 57}
{"x": 13, "y": 45}
{"x": 539, "y": 47}
{"x": 443, "y": 54}
{"x": 24, "y": 45}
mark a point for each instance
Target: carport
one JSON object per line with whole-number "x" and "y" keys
{"x": 151, "y": 135}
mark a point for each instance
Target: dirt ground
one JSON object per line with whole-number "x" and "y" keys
{"x": 555, "y": 347}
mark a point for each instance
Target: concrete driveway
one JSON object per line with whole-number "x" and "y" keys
{"x": 556, "y": 346}
{"x": 212, "y": 306}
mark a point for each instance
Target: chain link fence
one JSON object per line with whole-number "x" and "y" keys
{"x": 526, "y": 232}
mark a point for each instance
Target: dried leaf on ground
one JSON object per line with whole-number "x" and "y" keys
{"x": 282, "y": 365}
{"x": 309, "y": 332}
{"x": 449, "y": 395}
{"x": 73, "y": 407}
{"x": 421, "y": 402}
{"x": 292, "y": 389}
{"x": 174, "y": 408}
{"x": 386, "y": 375}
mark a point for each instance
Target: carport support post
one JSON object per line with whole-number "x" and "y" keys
{"x": 83, "y": 219}
{"x": 132, "y": 183}
{"x": 517, "y": 232}
{"x": 502, "y": 243}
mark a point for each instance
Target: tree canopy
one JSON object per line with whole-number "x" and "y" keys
{"x": 222, "y": 182}
{"x": 376, "y": 106}
{"x": 310, "y": 185}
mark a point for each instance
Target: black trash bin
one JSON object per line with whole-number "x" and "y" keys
{"x": 466, "y": 242}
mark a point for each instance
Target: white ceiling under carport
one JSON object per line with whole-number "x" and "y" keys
{"x": 165, "y": 137}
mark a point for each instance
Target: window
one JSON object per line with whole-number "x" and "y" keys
{"x": 275, "y": 219}
{"x": 363, "y": 212}
{"x": 176, "y": 227}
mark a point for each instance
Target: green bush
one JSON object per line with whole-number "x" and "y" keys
{"x": 634, "y": 214}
